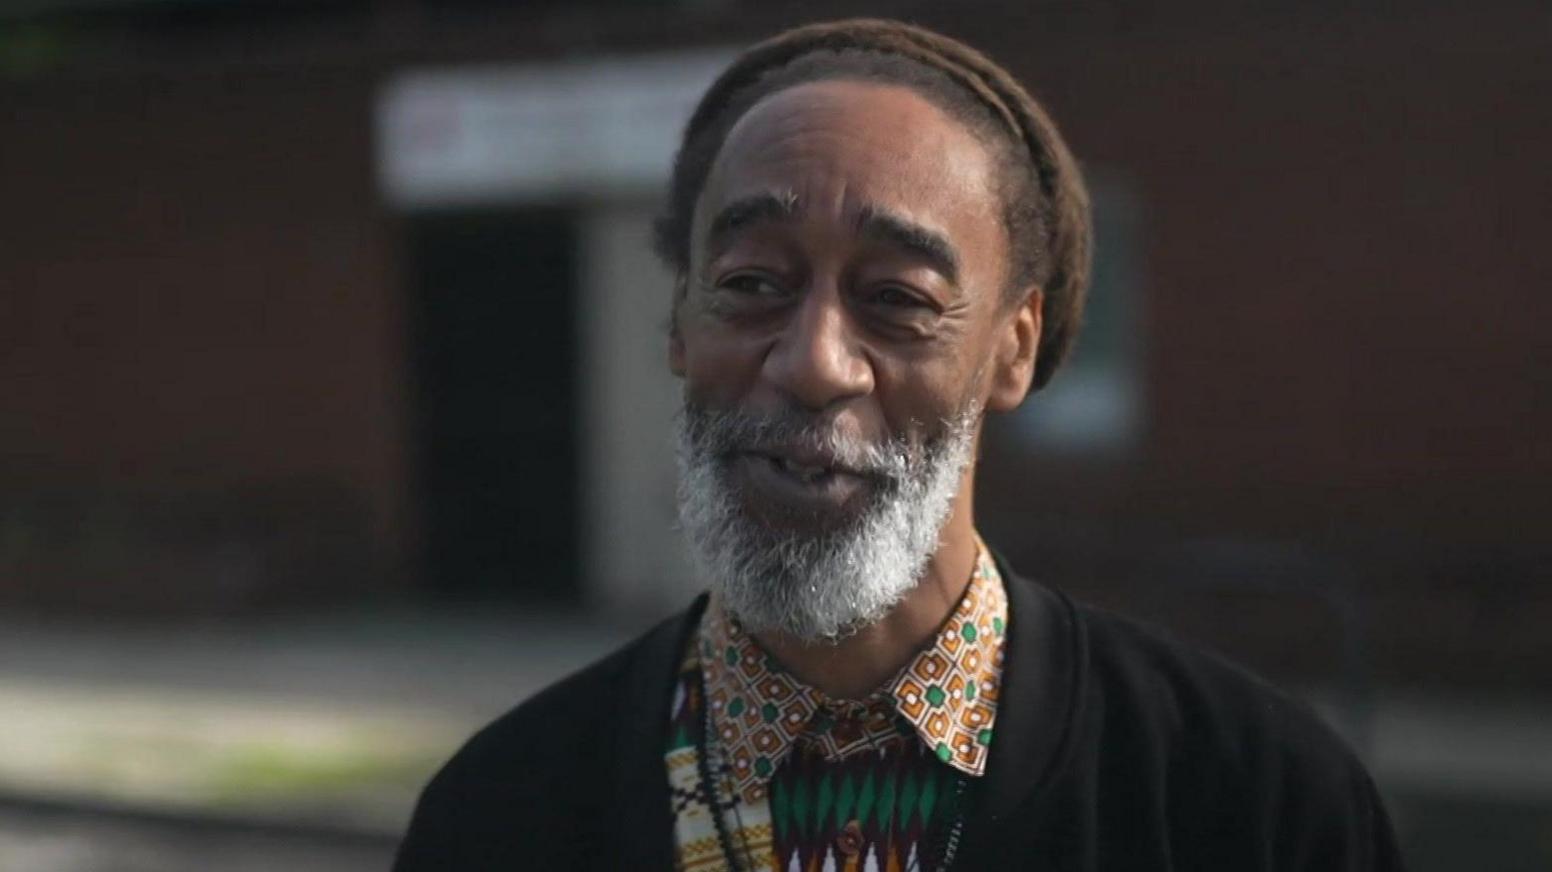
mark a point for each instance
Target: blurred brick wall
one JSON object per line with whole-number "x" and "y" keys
{"x": 1344, "y": 218}
{"x": 199, "y": 340}
{"x": 1345, "y": 284}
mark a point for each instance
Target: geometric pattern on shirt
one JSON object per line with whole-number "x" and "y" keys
{"x": 896, "y": 806}
{"x": 697, "y": 846}
{"x": 946, "y": 695}
{"x": 884, "y": 811}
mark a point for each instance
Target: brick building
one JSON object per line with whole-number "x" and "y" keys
{"x": 238, "y": 367}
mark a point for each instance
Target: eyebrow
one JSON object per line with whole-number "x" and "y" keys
{"x": 746, "y": 211}
{"x": 929, "y": 245}
{"x": 873, "y": 221}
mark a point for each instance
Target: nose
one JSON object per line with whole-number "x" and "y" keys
{"x": 815, "y": 360}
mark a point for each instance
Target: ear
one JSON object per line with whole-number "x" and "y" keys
{"x": 675, "y": 340}
{"x": 1013, "y": 365}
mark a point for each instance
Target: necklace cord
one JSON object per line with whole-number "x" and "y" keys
{"x": 710, "y": 791}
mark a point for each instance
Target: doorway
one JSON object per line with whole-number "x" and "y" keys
{"x": 492, "y": 296}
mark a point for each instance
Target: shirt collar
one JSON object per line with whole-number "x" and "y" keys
{"x": 946, "y": 696}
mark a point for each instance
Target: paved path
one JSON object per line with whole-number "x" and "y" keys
{"x": 339, "y": 719}
{"x": 53, "y": 842}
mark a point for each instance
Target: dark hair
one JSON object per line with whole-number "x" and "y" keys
{"x": 1045, "y": 204}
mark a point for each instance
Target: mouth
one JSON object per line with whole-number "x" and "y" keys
{"x": 783, "y": 485}
{"x": 807, "y": 468}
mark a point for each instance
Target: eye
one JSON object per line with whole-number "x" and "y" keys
{"x": 752, "y": 285}
{"x": 897, "y": 297}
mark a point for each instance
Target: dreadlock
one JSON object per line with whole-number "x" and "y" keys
{"x": 1045, "y": 206}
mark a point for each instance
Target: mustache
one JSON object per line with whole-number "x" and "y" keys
{"x": 724, "y": 433}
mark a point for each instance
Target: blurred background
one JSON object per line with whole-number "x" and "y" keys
{"x": 334, "y": 415}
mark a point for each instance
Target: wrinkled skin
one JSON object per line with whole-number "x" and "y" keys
{"x": 848, "y": 259}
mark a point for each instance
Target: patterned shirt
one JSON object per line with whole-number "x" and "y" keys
{"x": 804, "y": 781}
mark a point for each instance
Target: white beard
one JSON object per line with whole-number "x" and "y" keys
{"x": 816, "y": 587}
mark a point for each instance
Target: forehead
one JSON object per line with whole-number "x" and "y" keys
{"x": 840, "y": 148}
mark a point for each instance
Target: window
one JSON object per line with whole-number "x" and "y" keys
{"x": 1094, "y": 403}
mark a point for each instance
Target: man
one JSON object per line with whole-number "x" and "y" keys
{"x": 880, "y": 238}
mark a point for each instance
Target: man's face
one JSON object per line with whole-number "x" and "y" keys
{"x": 838, "y": 332}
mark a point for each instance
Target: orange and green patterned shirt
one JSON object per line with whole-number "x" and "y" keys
{"x": 806, "y": 782}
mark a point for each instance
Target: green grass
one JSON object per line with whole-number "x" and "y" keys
{"x": 276, "y": 771}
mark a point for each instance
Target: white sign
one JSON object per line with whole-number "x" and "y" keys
{"x": 604, "y": 126}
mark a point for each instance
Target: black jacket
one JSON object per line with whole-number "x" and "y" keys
{"x": 1117, "y": 749}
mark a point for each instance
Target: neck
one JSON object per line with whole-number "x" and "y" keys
{"x": 857, "y": 665}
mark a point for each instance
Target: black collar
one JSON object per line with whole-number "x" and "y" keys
{"x": 1042, "y": 672}
{"x": 640, "y": 817}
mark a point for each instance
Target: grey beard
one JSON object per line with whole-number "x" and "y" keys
{"x": 816, "y": 587}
